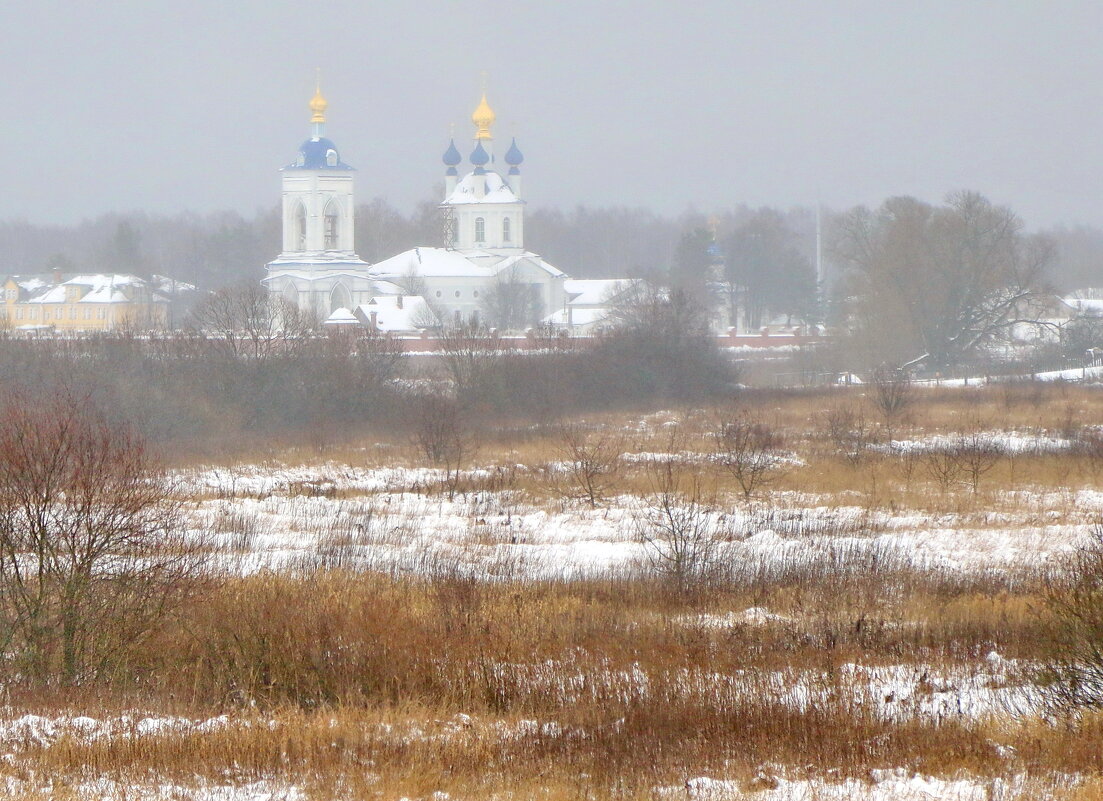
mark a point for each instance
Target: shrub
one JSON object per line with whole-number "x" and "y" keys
{"x": 590, "y": 463}
{"x": 92, "y": 557}
{"x": 1076, "y": 670}
{"x": 748, "y": 450}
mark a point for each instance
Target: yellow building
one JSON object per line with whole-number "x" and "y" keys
{"x": 101, "y": 302}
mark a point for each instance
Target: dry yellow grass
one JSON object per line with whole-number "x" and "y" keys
{"x": 349, "y": 685}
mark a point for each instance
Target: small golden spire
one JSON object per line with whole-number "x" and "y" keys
{"x": 484, "y": 116}
{"x": 318, "y": 103}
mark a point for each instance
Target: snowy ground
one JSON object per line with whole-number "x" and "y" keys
{"x": 881, "y": 785}
{"x": 1073, "y": 375}
{"x": 395, "y": 518}
{"x": 390, "y": 518}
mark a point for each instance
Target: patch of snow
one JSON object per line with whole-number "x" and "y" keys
{"x": 881, "y": 785}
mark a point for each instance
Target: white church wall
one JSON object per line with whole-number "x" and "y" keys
{"x": 493, "y": 215}
{"x": 315, "y": 190}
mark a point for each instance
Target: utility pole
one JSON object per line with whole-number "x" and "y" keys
{"x": 819, "y": 246}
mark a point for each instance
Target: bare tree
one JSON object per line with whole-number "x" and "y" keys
{"x": 892, "y": 392}
{"x": 933, "y": 284}
{"x": 512, "y": 303}
{"x": 470, "y": 354}
{"x": 944, "y": 466}
{"x": 680, "y": 532}
{"x": 748, "y": 450}
{"x": 591, "y": 462}
{"x": 977, "y": 454}
{"x": 92, "y": 554}
{"x": 850, "y": 431}
{"x": 245, "y": 323}
{"x": 413, "y": 283}
{"x": 444, "y": 436}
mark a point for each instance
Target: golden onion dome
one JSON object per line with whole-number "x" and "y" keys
{"x": 318, "y": 105}
{"x": 483, "y": 118}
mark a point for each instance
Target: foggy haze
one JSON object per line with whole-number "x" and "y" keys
{"x": 171, "y": 106}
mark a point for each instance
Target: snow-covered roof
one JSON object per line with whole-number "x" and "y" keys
{"x": 495, "y": 190}
{"x": 595, "y": 291}
{"x": 53, "y": 294}
{"x": 341, "y": 317}
{"x": 96, "y": 280}
{"x": 1086, "y": 305}
{"x": 95, "y": 288}
{"x": 334, "y": 259}
{"x": 105, "y": 294}
{"x": 441, "y": 263}
{"x": 170, "y": 286}
{"x": 431, "y": 263}
{"x": 315, "y": 275}
{"x": 584, "y": 316}
{"x": 395, "y": 313}
{"x": 30, "y": 284}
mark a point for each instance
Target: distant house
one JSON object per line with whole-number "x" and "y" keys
{"x": 1085, "y": 302}
{"x": 387, "y": 314}
{"x": 590, "y": 304}
{"x": 86, "y": 302}
{"x": 1046, "y": 319}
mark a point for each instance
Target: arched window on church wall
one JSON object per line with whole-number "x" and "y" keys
{"x": 300, "y": 227}
{"x": 506, "y": 237}
{"x": 340, "y": 298}
{"x": 331, "y": 226}
{"x": 480, "y": 229}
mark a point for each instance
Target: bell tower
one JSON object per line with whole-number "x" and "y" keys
{"x": 318, "y": 268}
{"x": 317, "y": 196}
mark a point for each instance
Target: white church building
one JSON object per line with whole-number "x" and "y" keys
{"x": 483, "y": 256}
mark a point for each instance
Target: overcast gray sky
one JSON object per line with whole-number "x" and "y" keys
{"x": 167, "y": 105}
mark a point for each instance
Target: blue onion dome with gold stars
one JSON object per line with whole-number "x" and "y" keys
{"x": 514, "y": 158}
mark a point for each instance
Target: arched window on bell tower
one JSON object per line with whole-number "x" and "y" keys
{"x": 506, "y": 236}
{"x": 332, "y": 226}
{"x": 300, "y": 227}
{"x": 480, "y": 230}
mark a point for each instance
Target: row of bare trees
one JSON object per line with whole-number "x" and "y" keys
{"x": 592, "y": 460}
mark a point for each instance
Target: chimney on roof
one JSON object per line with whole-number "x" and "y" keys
{"x": 57, "y": 275}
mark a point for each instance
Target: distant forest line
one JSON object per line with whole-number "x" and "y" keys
{"x": 227, "y": 248}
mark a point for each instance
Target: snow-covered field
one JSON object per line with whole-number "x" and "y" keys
{"x": 880, "y": 785}
{"x": 391, "y": 518}
{"x": 398, "y": 519}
